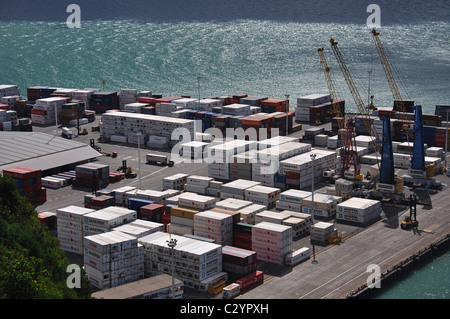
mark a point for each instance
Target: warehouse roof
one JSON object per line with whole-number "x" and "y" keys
{"x": 138, "y": 289}
{"x": 41, "y": 151}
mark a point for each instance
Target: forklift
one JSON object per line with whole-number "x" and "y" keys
{"x": 411, "y": 221}
{"x": 126, "y": 170}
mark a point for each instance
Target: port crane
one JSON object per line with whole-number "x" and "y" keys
{"x": 391, "y": 80}
{"x": 363, "y": 109}
{"x": 349, "y": 152}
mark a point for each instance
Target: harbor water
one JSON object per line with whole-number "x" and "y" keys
{"x": 257, "y": 47}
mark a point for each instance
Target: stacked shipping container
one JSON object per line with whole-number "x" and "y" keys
{"x": 28, "y": 181}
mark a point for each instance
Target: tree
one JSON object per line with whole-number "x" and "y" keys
{"x": 32, "y": 265}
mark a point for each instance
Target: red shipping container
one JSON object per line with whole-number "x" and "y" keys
{"x": 292, "y": 175}
{"x": 152, "y": 210}
{"x": 251, "y": 280}
{"x": 22, "y": 173}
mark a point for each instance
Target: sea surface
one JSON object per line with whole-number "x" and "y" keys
{"x": 257, "y": 47}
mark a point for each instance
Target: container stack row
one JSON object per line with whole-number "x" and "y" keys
{"x": 197, "y": 263}
{"x": 112, "y": 259}
{"x": 92, "y": 175}
{"x": 298, "y": 170}
{"x": 123, "y": 126}
{"x": 238, "y": 262}
{"x": 29, "y": 183}
{"x": 271, "y": 242}
{"x": 46, "y": 110}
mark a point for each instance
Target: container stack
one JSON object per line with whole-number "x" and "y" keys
{"x": 120, "y": 194}
{"x": 320, "y": 232}
{"x": 127, "y": 96}
{"x": 197, "y": 263}
{"x": 274, "y": 105}
{"x": 176, "y": 181}
{"x": 70, "y": 230}
{"x": 344, "y": 188}
{"x": 359, "y": 210}
{"x": 291, "y": 199}
{"x": 43, "y": 111}
{"x": 236, "y": 189}
{"x": 104, "y": 220}
{"x": 298, "y": 170}
{"x": 156, "y": 197}
{"x": 236, "y": 109}
{"x": 182, "y": 220}
{"x": 304, "y": 103}
{"x": 185, "y": 103}
{"x": 123, "y": 124}
{"x": 100, "y": 202}
{"x": 9, "y": 90}
{"x": 441, "y": 135}
{"x": 195, "y": 201}
{"x": 151, "y": 212}
{"x": 238, "y": 262}
{"x": 83, "y": 96}
{"x": 92, "y": 175}
{"x": 271, "y": 242}
{"x": 139, "y": 228}
{"x": 101, "y": 102}
{"x": 71, "y": 111}
{"x": 8, "y": 120}
{"x": 267, "y": 167}
{"x": 324, "y": 205}
{"x": 214, "y": 225}
{"x": 198, "y": 184}
{"x": 206, "y": 105}
{"x": 193, "y": 150}
{"x": 112, "y": 259}
{"x": 249, "y": 212}
{"x": 233, "y": 204}
{"x": 263, "y": 195}
{"x": 307, "y": 218}
{"x": 39, "y": 92}
{"x": 29, "y": 183}
{"x": 271, "y": 217}
{"x": 221, "y": 155}
{"x": 242, "y": 235}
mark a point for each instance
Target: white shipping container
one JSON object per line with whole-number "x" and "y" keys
{"x": 73, "y": 213}
{"x": 298, "y": 256}
{"x": 196, "y": 201}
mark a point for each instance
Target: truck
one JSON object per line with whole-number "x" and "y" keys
{"x": 67, "y": 133}
{"x": 158, "y": 159}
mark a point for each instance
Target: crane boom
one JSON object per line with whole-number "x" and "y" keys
{"x": 363, "y": 110}
{"x": 390, "y": 78}
{"x": 349, "y": 154}
{"x": 331, "y": 90}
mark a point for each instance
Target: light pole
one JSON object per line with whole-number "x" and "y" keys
{"x": 172, "y": 243}
{"x": 313, "y": 158}
{"x": 446, "y": 139}
{"x": 198, "y": 87}
{"x": 139, "y": 134}
{"x": 287, "y": 110}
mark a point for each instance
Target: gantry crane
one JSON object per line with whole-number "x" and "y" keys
{"x": 349, "y": 152}
{"x": 363, "y": 109}
{"x": 391, "y": 80}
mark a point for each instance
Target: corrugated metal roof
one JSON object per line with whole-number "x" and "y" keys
{"x": 40, "y": 150}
